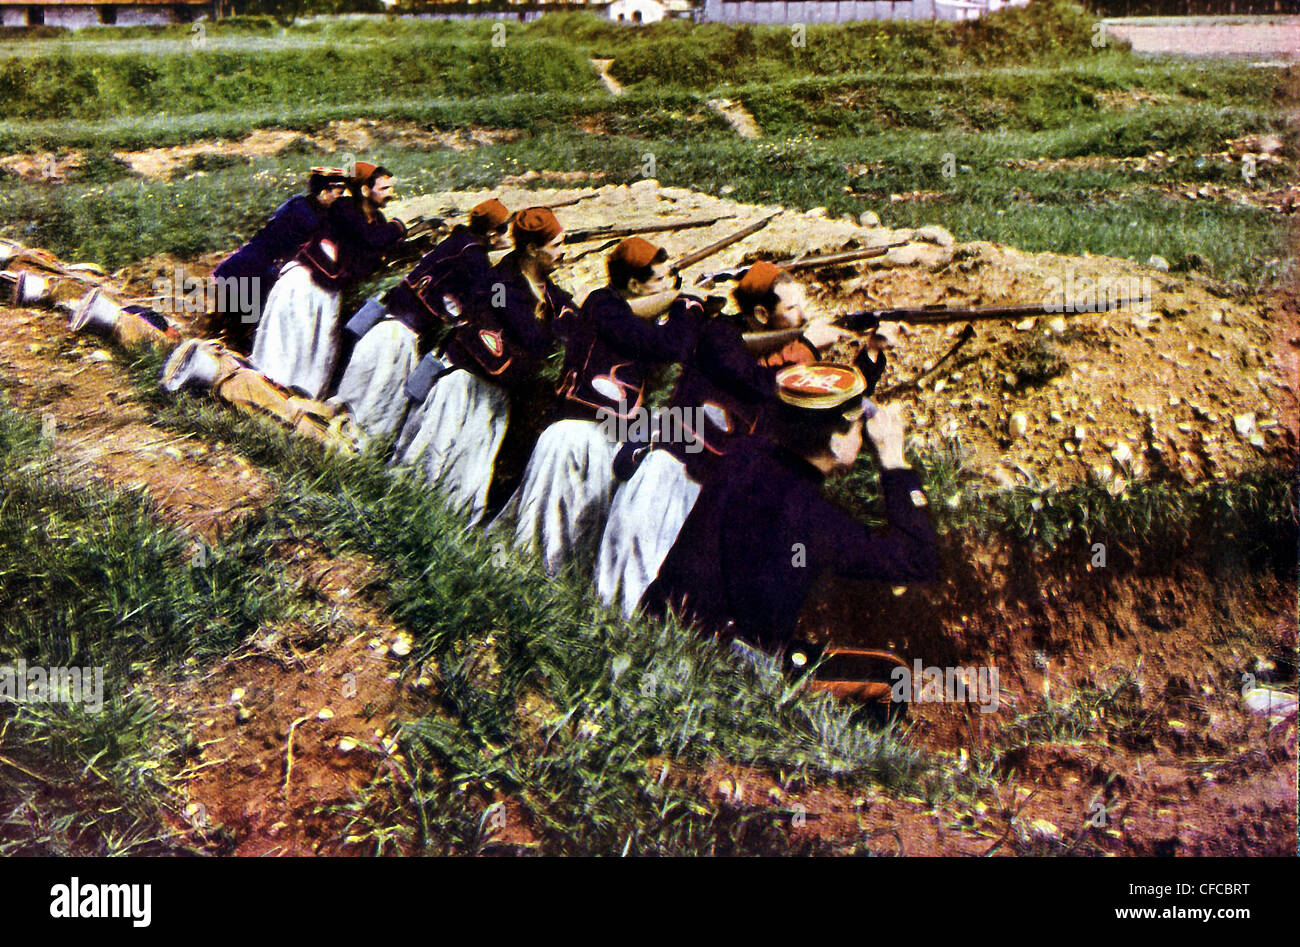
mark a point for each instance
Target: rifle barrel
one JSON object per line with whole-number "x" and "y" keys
{"x": 569, "y": 202}
{"x": 831, "y": 259}
{"x": 805, "y": 263}
{"x": 940, "y": 315}
{"x": 770, "y": 340}
{"x": 692, "y": 258}
{"x": 604, "y": 233}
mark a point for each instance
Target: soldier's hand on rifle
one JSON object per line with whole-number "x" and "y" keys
{"x": 823, "y": 334}
{"x": 885, "y": 433}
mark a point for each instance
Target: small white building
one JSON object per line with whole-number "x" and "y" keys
{"x": 647, "y": 11}
{"x": 636, "y": 11}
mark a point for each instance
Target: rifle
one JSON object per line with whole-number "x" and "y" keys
{"x": 569, "y": 202}
{"x": 439, "y": 225}
{"x": 866, "y": 320}
{"x": 602, "y": 233}
{"x": 618, "y": 233}
{"x": 419, "y": 226}
{"x": 803, "y": 263}
{"x": 704, "y": 253}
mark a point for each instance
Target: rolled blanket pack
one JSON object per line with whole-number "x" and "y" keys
{"x": 209, "y": 366}
{"x": 102, "y": 315}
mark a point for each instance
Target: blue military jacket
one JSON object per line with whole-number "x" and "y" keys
{"x": 761, "y": 534}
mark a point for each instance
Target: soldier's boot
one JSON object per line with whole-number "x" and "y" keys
{"x": 209, "y": 365}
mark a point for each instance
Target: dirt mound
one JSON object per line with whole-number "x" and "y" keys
{"x": 361, "y": 135}
{"x": 551, "y": 177}
{"x": 47, "y": 167}
{"x": 1180, "y": 386}
{"x": 163, "y": 162}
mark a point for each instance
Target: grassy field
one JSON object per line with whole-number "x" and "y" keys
{"x": 91, "y": 577}
{"x": 850, "y": 118}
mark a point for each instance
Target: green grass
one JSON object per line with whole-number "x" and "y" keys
{"x": 91, "y": 577}
{"x": 606, "y": 696}
{"x": 1254, "y": 518}
{"x": 83, "y": 85}
{"x": 77, "y": 783}
{"x": 1117, "y": 213}
{"x": 857, "y": 114}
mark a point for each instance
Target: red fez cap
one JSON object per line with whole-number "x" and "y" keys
{"x": 490, "y": 212}
{"x": 538, "y": 223}
{"x": 759, "y": 279}
{"x": 362, "y": 170}
{"x": 636, "y": 252}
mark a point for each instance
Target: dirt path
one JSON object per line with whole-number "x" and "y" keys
{"x": 1272, "y": 38}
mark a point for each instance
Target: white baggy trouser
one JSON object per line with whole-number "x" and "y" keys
{"x": 559, "y": 510}
{"x": 453, "y": 438}
{"x": 297, "y": 340}
{"x": 644, "y": 519}
{"x": 373, "y": 386}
